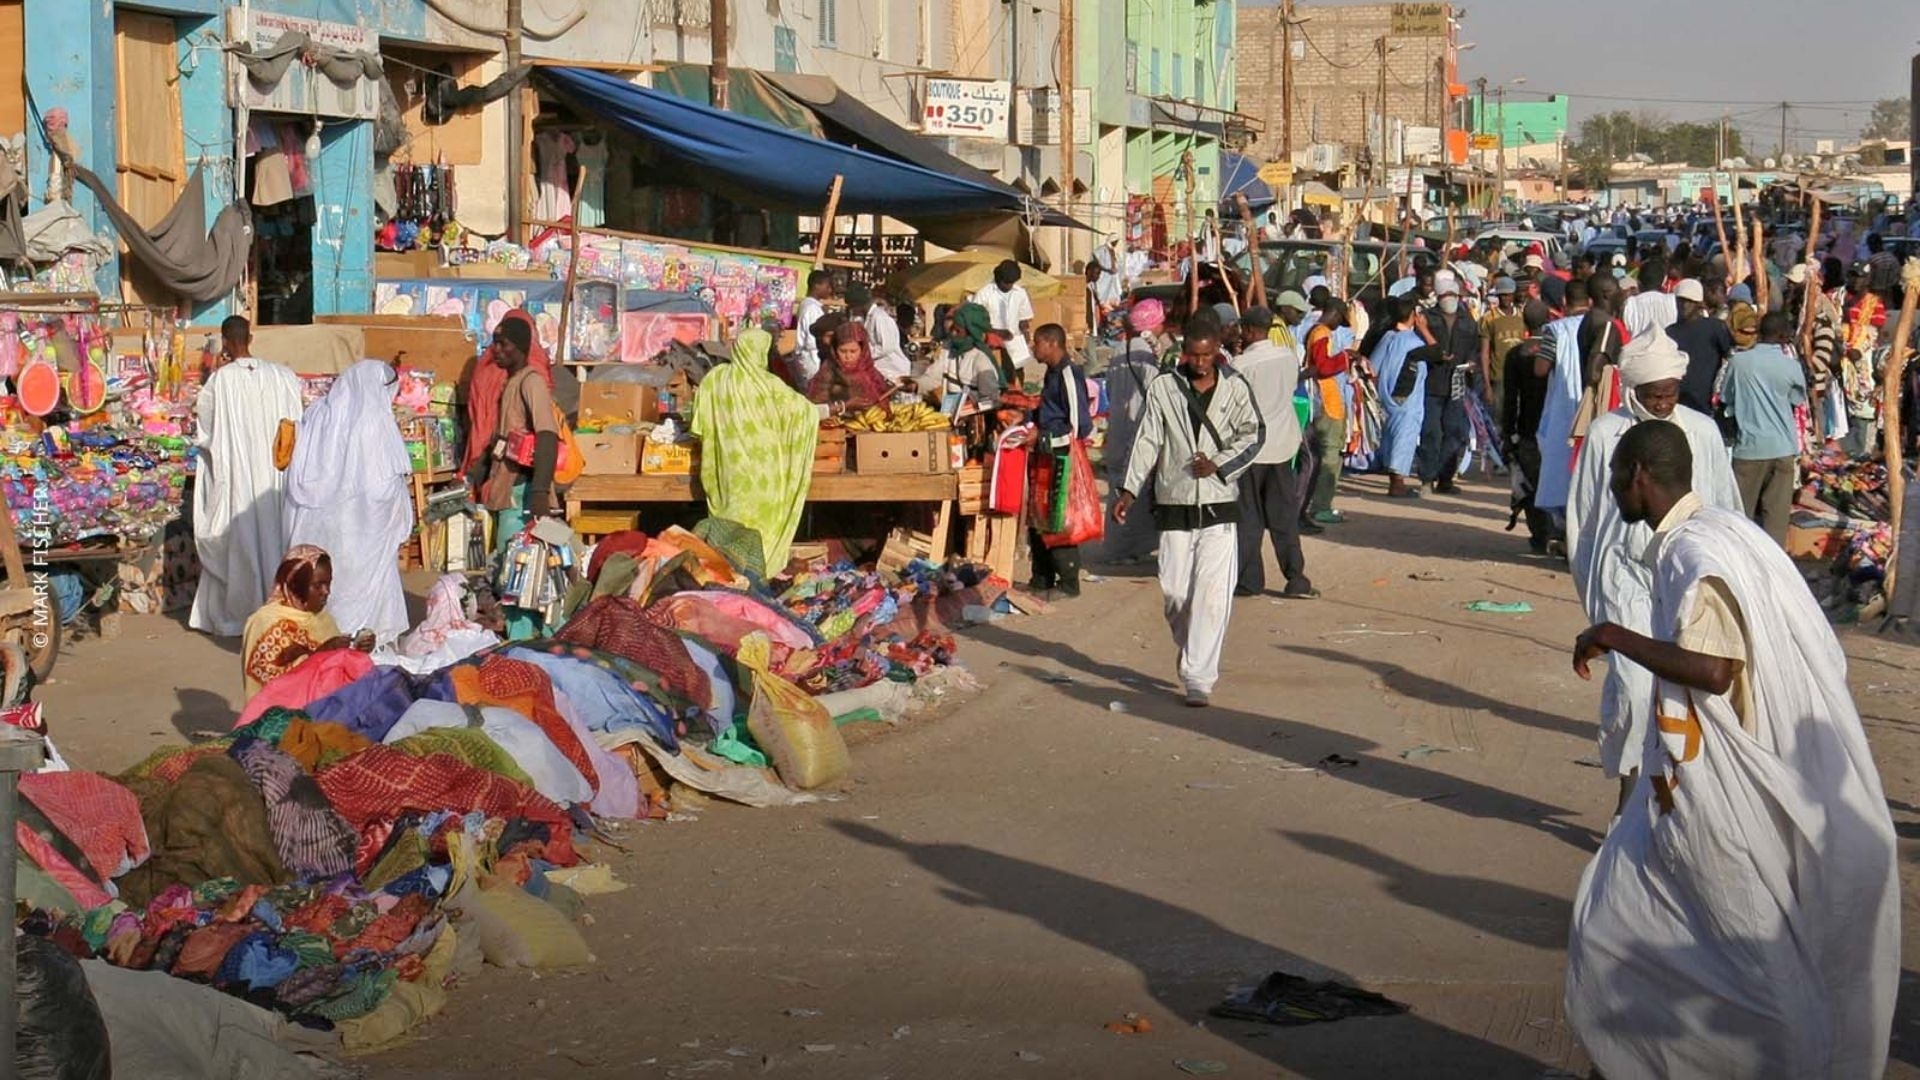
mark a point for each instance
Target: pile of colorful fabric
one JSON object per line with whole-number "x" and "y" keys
{"x": 321, "y": 859}
{"x": 294, "y": 863}
{"x": 1856, "y": 488}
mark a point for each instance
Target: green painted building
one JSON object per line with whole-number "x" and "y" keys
{"x": 1524, "y": 123}
{"x": 1160, "y": 78}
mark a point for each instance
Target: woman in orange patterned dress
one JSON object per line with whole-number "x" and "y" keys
{"x": 293, "y": 624}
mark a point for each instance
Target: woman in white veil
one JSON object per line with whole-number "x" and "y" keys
{"x": 347, "y": 493}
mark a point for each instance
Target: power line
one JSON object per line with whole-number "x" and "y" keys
{"x": 1859, "y": 103}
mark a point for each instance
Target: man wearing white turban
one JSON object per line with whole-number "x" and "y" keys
{"x": 1614, "y": 582}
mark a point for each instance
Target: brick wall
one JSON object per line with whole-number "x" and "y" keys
{"x": 1336, "y": 62}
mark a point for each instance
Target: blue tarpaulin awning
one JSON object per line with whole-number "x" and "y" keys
{"x": 789, "y": 169}
{"x": 1239, "y": 175}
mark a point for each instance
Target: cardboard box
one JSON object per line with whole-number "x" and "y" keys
{"x": 669, "y": 459}
{"x": 604, "y": 403}
{"x": 608, "y": 454}
{"x": 889, "y": 453}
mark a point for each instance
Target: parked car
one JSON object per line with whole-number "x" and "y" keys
{"x": 1289, "y": 263}
{"x": 1518, "y": 240}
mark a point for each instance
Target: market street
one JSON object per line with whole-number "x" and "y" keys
{"x": 1072, "y": 845}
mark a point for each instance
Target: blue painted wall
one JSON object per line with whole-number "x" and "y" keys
{"x": 70, "y": 64}
{"x": 343, "y": 233}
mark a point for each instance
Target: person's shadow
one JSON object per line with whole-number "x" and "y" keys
{"x": 202, "y": 710}
{"x": 1169, "y": 946}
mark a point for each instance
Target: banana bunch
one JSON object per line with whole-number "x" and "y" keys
{"x": 918, "y": 416}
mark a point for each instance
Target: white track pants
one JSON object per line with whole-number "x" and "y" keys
{"x": 1198, "y": 569}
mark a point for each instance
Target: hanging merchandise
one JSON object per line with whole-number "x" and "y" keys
{"x": 38, "y": 384}
{"x": 424, "y": 208}
{"x": 538, "y": 569}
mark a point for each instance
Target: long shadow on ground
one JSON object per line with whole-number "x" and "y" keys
{"x": 1306, "y": 743}
{"x": 1168, "y": 946}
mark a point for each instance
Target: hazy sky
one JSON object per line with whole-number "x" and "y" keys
{"x": 1707, "y": 55}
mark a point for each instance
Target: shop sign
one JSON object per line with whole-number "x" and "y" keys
{"x": 1419, "y": 20}
{"x": 302, "y": 90}
{"x": 1276, "y": 174}
{"x": 968, "y": 108}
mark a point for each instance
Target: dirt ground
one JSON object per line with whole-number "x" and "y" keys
{"x": 1071, "y": 844}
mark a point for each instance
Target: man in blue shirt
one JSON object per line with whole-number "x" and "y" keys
{"x": 1763, "y": 385}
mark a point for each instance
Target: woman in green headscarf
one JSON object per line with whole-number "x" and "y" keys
{"x": 757, "y": 439}
{"x": 967, "y": 358}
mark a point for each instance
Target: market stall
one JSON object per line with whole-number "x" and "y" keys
{"x": 96, "y": 455}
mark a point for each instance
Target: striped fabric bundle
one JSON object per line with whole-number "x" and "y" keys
{"x": 381, "y": 782}
{"x": 312, "y": 839}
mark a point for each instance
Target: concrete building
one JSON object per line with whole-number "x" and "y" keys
{"x": 1344, "y": 59}
{"x": 149, "y": 95}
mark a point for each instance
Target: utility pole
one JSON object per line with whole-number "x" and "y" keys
{"x": 1501, "y": 93}
{"x": 1013, "y": 70}
{"x": 1380, "y": 44}
{"x": 1286, "y": 97}
{"x": 520, "y": 124}
{"x": 1067, "y": 148}
{"x": 1781, "y": 150}
{"x": 1286, "y": 81}
{"x": 717, "y": 33}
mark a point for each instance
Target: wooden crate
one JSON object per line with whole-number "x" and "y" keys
{"x": 973, "y": 489}
{"x": 830, "y": 453}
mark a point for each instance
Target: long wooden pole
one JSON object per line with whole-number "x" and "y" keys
{"x": 1257, "y": 288}
{"x": 573, "y": 271}
{"x": 826, "y": 223}
{"x": 1809, "y": 309}
{"x": 1762, "y": 281}
{"x": 1892, "y": 440}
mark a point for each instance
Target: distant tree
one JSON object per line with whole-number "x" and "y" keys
{"x": 1698, "y": 143}
{"x": 1891, "y": 119}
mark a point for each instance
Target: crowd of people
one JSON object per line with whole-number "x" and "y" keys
{"x": 1651, "y": 404}
{"x": 1648, "y": 393}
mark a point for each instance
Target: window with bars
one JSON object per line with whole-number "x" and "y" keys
{"x": 827, "y": 23}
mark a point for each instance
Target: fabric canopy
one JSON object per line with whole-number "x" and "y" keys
{"x": 1239, "y": 175}
{"x": 853, "y": 122}
{"x": 186, "y": 257}
{"x": 784, "y": 167}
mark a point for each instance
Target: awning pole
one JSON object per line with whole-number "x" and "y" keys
{"x": 20, "y": 751}
{"x": 826, "y": 223}
{"x": 573, "y": 270}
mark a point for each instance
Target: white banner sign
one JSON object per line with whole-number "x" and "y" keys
{"x": 1037, "y": 117}
{"x": 970, "y": 108}
{"x": 303, "y": 90}
{"x": 1422, "y": 142}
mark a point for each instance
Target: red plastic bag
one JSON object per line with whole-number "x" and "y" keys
{"x": 1008, "y": 490}
{"x": 1084, "y": 521}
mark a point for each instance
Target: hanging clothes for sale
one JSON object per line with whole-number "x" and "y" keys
{"x": 553, "y": 199}
{"x": 590, "y": 202}
{"x": 272, "y": 181}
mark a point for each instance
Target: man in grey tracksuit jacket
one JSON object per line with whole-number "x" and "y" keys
{"x": 1200, "y": 431}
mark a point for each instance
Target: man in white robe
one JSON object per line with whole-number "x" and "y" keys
{"x": 1614, "y": 584}
{"x": 1742, "y": 917}
{"x": 1559, "y": 411}
{"x": 239, "y": 527}
{"x": 348, "y": 494}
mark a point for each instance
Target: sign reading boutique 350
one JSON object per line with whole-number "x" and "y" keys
{"x": 976, "y": 108}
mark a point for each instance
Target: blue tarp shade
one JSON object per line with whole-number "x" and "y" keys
{"x": 1239, "y": 175}
{"x": 787, "y": 168}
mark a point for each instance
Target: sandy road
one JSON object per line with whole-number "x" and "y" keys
{"x": 1071, "y": 844}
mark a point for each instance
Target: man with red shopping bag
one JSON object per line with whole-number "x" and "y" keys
{"x": 1065, "y": 506}
{"x": 1199, "y": 433}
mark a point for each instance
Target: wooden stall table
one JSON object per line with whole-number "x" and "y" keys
{"x": 941, "y": 488}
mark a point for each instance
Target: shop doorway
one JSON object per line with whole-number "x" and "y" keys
{"x": 280, "y": 188}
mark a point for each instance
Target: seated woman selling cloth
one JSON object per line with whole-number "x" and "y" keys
{"x": 847, "y": 375}
{"x": 293, "y": 624}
